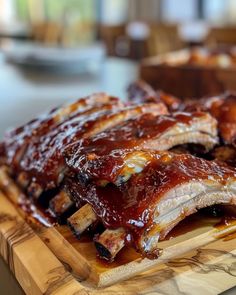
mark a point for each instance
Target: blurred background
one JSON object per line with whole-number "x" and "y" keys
{"x": 53, "y": 51}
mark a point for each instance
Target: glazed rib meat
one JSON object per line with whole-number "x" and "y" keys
{"x": 116, "y": 153}
{"x": 17, "y": 140}
{"x": 43, "y": 158}
{"x": 101, "y": 161}
{"x": 223, "y": 108}
{"x": 151, "y": 203}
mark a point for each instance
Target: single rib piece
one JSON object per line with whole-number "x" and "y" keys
{"x": 223, "y": 108}
{"x": 117, "y": 153}
{"x": 110, "y": 242}
{"x": 61, "y": 206}
{"x": 44, "y": 159}
{"x": 46, "y": 148}
{"x": 82, "y": 219}
{"x": 152, "y": 202}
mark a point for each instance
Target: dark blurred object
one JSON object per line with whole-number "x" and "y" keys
{"x": 47, "y": 32}
{"x": 137, "y": 40}
{"x": 221, "y": 36}
{"x": 116, "y": 41}
{"x": 225, "y": 154}
{"x": 163, "y": 38}
{"x": 63, "y": 34}
{"x": 186, "y": 74}
{"x": 140, "y": 91}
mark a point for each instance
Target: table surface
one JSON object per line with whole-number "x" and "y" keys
{"x": 26, "y": 93}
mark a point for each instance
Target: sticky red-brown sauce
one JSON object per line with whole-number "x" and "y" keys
{"x": 131, "y": 132}
{"x": 223, "y": 108}
{"x": 131, "y": 205}
{"x": 103, "y": 155}
{"x": 44, "y": 156}
{"x": 17, "y": 140}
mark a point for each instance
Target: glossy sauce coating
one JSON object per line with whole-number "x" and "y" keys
{"x": 16, "y": 141}
{"x": 223, "y": 108}
{"x": 103, "y": 155}
{"x": 43, "y": 158}
{"x": 132, "y": 204}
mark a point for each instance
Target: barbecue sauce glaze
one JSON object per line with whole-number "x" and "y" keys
{"x": 103, "y": 155}
{"x": 131, "y": 205}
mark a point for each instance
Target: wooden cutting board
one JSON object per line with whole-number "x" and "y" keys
{"x": 52, "y": 261}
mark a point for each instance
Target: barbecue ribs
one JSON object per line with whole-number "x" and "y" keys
{"x": 100, "y": 161}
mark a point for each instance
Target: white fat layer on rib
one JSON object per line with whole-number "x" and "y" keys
{"x": 166, "y": 142}
{"x": 136, "y": 162}
{"x": 197, "y": 124}
{"x": 200, "y": 201}
{"x": 185, "y": 208}
{"x": 182, "y": 193}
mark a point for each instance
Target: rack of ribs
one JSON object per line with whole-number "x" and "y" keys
{"x": 103, "y": 161}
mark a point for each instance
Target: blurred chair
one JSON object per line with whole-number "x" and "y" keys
{"x": 163, "y": 38}
{"x": 116, "y": 40}
{"x": 47, "y": 32}
{"x": 221, "y": 36}
{"x": 50, "y": 33}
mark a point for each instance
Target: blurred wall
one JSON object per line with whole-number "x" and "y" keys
{"x": 181, "y": 10}
{"x": 149, "y": 10}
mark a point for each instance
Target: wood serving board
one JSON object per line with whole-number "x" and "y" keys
{"x": 52, "y": 261}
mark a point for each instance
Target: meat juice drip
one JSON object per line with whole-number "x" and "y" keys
{"x": 189, "y": 224}
{"x": 225, "y": 222}
{"x": 219, "y": 215}
{"x": 230, "y": 237}
{"x": 35, "y": 213}
{"x": 228, "y": 216}
{"x": 125, "y": 256}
